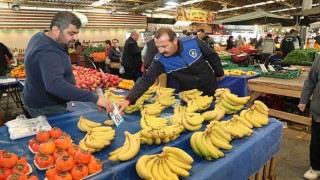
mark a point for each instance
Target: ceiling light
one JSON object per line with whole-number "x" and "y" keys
{"x": 182, "y": 23}
{"x": 172, "y": 3}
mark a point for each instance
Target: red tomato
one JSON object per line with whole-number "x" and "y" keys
{"x": 4, "y": 173}
{"x": 64, "y": 141}
{"x": 79, "y": 171}
{"x": 23, "y": 168}
{"x": 65, "y": 163}
{"x": 64, "y": 175}
{"x": 59, "y": 152}
{"x": 45, "y": 161}
{"x": 17, "y": 176}
{"x": 94, "y": 165}
{"x": 47, "y": 147}
{"x": 55, "y": 132}
{"x": 82, "y": 156}
{"x": 73, "y": 149}
{"x": 22, "y": 160}
{"x": 43, "y": 136}
{"x": 50, "y": 173}
{"x": 8, "y": 159}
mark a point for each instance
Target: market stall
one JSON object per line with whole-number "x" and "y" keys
{"x": 283, "y": 87}
{"x": 244, "y": 160}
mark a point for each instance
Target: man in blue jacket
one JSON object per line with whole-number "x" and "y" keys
{"x": 188, "y": 60}
{"x": 50, "y": 82}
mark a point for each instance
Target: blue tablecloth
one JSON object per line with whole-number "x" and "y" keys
{"x": 246, "y": 158}
{"x": 237, "y": 84}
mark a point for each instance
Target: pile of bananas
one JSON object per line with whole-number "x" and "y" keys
{"x": 154, "y": 109}
{"x": 155, "y": 130}
{"x": 190, "y": 121}
{"x": 165, "y": 96}
{"x": 138, "y": 104}
{"x": 186, "y": 96}
{"x": 231, "y": 103}
{"x": 199, "y": 103}
{"x": 257, "y": 115}
{"x": 207, "y": 143}
{"x": 97, "y": 138}
{"x": 233, "y": 72}
{"x": 170, "y": 164}
{"x": 112, "y": 96}
{"x": 250, "y": 73}
{"x": 238, "y": 127}
{"x": 85, "y": 125}
{"x": 214, "y": 115}
{"x": 129, "y": 149}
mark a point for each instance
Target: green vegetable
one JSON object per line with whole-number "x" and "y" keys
{"x": 301, "y": 57}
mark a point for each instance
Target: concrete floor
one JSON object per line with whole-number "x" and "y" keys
{"x": 291, "y": 162}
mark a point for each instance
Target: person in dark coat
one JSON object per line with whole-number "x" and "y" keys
{"x": 131, "y": 58}
{"x": 4, "y": 51}
{"x": 230, "y": 43}
{"x": 115, "y": 54}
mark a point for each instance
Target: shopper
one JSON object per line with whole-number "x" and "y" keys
{"x": 317, "y": 38}
{"x": 185, "y": 60}
{"x": 4, "y": 54}
{"x": 131, "y": 59}
{"x": 107, "y": 61}
{"x": 115, "y": 54}
{"x": 240, "y": 41}
{"x": 311, "y": 89}
{"x": 184, "y": 34}
{"x": 268, "y": 48}
{"x": 230, "y": 43}
{"x": 50, "y": 83}
{"x": 204, "y": 37}
{"x": 289, "y": 43}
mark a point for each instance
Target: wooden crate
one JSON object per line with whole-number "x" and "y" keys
{"x": 267, "y": 172}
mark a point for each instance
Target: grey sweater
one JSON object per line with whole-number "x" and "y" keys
{"x": 312, "y": 86}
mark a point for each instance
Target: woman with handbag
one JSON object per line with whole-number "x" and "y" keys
{"x": 115, "y": 54}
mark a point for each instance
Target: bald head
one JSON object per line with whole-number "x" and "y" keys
{"x": 135, "y": 35}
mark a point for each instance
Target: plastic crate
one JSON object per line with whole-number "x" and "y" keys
{"x": 290, "y": 75}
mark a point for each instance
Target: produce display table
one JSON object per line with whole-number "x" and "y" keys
{"x": 283, "y": 87}
{"x": 245, "y": 159}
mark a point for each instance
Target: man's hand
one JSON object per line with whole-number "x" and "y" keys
{"x": 104, "y": 103}
{"x": 220, "y": 78}
{"x": 122, "y": 105}
{"x": 302, "y": 107}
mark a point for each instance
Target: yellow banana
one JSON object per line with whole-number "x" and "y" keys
{"x": 80, "y": 127}
{"x": 155, "y": 169}
{"x": 229, "y": 106}
{"x": 168, "y": 172}
{"x": 217, "y": 141}
{"x": 84, "y": 126}
{"x": 176, "y": 169}
{"x": 229, "y": 101}
{"x": 84, "y": 147}
{"x": 178, "y": 163}
{"x": 189, "y": 126}
{"x": 236, "y": 99}
{"x": 191, "y": 91}
{"x": 141, "y": 166}
{"x": 212, "y": 147}
{"x": 222, "y": 133}
{"x": 248, "y": 117}
{"x": 220, "y": 125}
{"x": 101, "y": 128}
{"x": 200, "y": 145}
{"x": 150, "y": 164}
{"x": 194, "y": 145}
{"x": 247, "y": 130}
{"x": 261, "y": 104}
{"x": 260, "y": 118}
{"x": 161, "y": 170}
{"x": 243, "y": 121}
{"x": 181, "y": 154}
{"x": 195, "y": 120}
{"x": 220, "y": 115}
{"x": 89, "y": 122}
{"x": 210, "y": 115}
{"x": 105, "y": 142}
{"x": 93, "y": 144}
{"x": 210, "y": 150}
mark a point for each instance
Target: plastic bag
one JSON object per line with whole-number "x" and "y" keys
{"x": 121, "y": 70}
{"x": 22, "y": 127}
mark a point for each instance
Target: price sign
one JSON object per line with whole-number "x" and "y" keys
{"x": 271, "y": 68}
{"x": 116, "y": 116}
{"x": 263, "y": 68}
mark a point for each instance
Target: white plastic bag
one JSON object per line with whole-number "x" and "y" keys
{"x": 22, "y": 127}
{"x": 121, "y": 70}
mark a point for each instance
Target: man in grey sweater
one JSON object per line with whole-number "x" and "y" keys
{"x": 311, "y": 89}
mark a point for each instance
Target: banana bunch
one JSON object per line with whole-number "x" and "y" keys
{"x": 214, "y": 115}
{"x": 199, "y": 103}
{"x": 154, "y": 109}
{"x": 148, "y": 121}
{"x": 129, "y": 149}
{"x": 97, "y": 138}
{"x": 188, "y": 95}
{"x": 161, "y": 135}
{"x": 250, "y": 73}
{"x": 231, "y": 103}
{"x": 257, "y": 115}
{"x": 85, "y": 125}
{"x": 238, "y": 127}
{"x": 165, "y": 96}
{"x": 234, "y": 72}
{"x": 152, "y": 89}
{"x": 190, "y": 121}
{"x": 171, "y": 163}
{"x": 112, "y": 96}
{"x": 137, "y": 105}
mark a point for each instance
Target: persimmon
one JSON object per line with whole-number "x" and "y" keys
{"x": 82, "y": 156}
{"x": 35, "y": 146}
{"x": 32, "y": 177}
{"x": 45, "y": 161}
{"x": 8, "y": 159}
{"x": 43, "y": 136}
{"x": 22, "y": 160}
{"x": 59, "y": 152}
{"x": 63, "y": 175}
{"x": 47, "y": 147}
{"x": 32, "y": 141}
{"x": 64, "y": 141}
{"x": 17, "y": 176}
{"x": 37, "y": 156}
{"x": 55, "y": 132}
{"x": 23, "y": 168}
{"x": 5, "y": 172}
{"x": 94, "y": 165}
{"x": 79, "y": 171}
{"x": 73, "y": 149}
{"x": 65, "y": 163}
{"x": 51, "y": 172}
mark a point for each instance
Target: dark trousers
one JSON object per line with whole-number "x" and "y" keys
{"x": 132, "y": 74}
{"x": 2, "y": 71}
{"x": 315, "y": 145}
{"x": 265, "y": 58}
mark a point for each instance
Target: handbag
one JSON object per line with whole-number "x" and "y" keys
{"x": 115, "y": 65}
